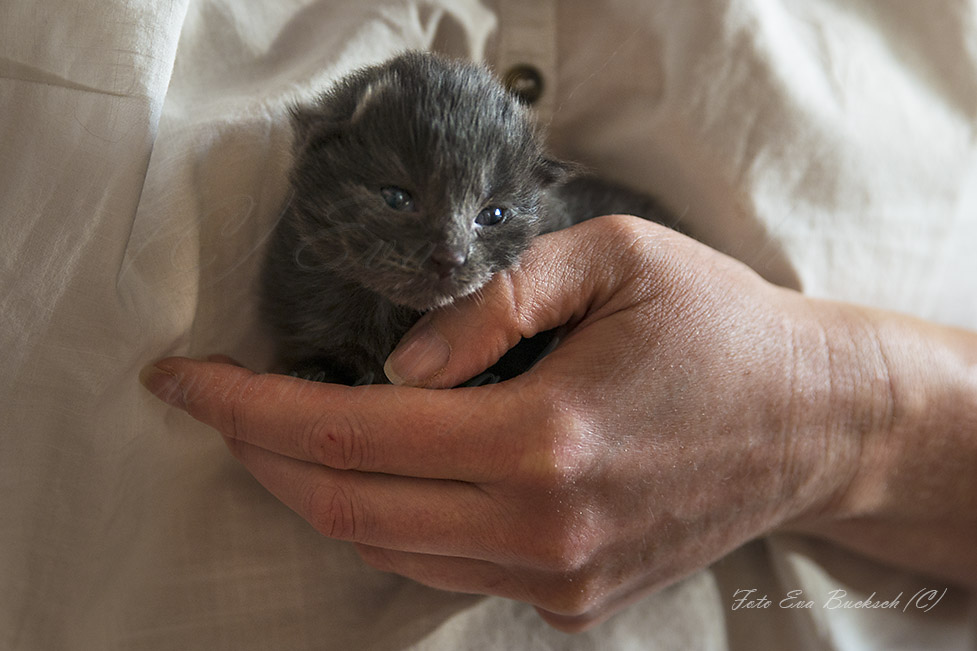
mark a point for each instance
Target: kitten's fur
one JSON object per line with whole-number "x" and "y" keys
{"x": 393, "y": 168}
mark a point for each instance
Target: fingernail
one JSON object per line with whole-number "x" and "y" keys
{"x": 164, "y": 385}
{"x": 419, "y": 357}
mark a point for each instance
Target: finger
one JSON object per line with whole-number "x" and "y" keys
{"x": 451, "y": 573}
{"x": 459, "y": 434}
{"x": 567, "y": 602}
{"x": 224, "y": 359}
{"x": 426, "y": 516}
{"x": 562, "y": 278}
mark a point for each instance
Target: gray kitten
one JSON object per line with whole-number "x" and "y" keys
{"x": 413, "y": 182}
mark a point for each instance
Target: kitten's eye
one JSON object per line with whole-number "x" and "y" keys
{"x": 398, "y": 198}
{"x": 490, "y": 216}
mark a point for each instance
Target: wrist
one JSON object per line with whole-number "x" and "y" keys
{"x": 897, "y": 410}
{"x": 838, "y": 402}
{"x": 853, "y": 378}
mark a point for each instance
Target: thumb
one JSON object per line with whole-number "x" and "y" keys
{"x": 562, "y": 278}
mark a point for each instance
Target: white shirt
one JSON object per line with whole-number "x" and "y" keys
{"x": 144, "y": 150}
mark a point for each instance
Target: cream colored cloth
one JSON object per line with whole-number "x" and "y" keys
{"x": 143, "y": 147}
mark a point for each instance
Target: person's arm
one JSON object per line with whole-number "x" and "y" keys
{"x": 906, "y": 391}
{"x": 690, "y": 407}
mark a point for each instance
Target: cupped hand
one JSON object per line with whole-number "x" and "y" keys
{"x": 683, "y": 413}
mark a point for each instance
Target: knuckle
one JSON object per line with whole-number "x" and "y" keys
{"x": 337, "y": 441}
{"x": 574, "y": 596}
{"x": 562, "y": 453}
{"x": 628, "y": 240}
{"x": 332, "y": 511}
{"x": 557, "y": 472}
{"x": 236, "y": 401}
{"x": 622, "y": 230}
{"x": 237, "y": 419}
{"x": 566, "y": 545}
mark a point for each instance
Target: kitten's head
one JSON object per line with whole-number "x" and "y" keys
{"x": 418, "y": 179}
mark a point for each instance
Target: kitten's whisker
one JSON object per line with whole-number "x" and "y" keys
{"x": 479, "y": 296}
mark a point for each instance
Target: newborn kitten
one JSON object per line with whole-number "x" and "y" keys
{"x": 413, "y": 183}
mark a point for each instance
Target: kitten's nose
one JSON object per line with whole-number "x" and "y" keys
{"x": 446, "y": 260}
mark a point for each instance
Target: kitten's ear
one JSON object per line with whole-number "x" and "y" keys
{"x": 552, "y": 171}
{"x": 367, "y": 97}
{"x": 337, "y": 108}
{"x": 304, "y": 119}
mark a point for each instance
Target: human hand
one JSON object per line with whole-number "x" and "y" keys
{"x": 681, "y": 415}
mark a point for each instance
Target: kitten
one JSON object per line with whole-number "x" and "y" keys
{"x": 413, "y": 182}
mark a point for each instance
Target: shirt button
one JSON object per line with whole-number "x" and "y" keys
{"x": 525, "y": 82}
